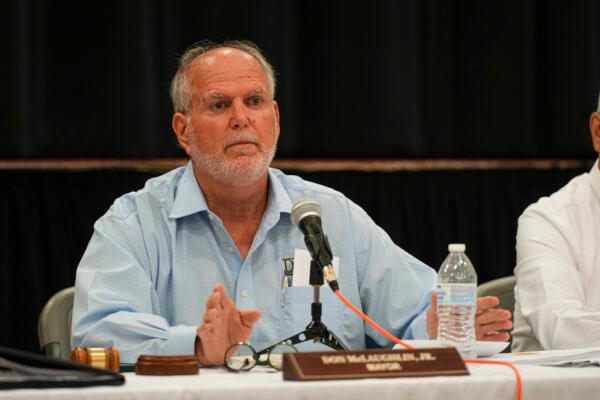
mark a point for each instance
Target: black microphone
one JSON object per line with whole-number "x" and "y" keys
{"x": 306, "y": 213}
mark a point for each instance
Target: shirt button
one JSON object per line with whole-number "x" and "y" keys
{"x": 229, "y": 249}
{"x": 244, "y": 293}
{"x": 210, "y": 216}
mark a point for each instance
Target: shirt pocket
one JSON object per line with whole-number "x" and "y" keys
{"x": 296, "y": 312}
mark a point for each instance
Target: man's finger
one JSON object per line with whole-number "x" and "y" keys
{"x": 495, "y": 337}
{"x": 226, "y": 301}
{"x": 249, "y": 317}
{"x": 210, "y": 315}
{"x": 492, "y": 315}
{"x": 494, "y": 326}
{"x": 431, "y": 317}
{"x": 214, "y": 300}
{"x": 483, "y": 303}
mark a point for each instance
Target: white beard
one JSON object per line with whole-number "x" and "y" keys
{"x": 234, "y": 172}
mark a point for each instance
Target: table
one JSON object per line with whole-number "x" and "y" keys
{"x": 485, "y": 382}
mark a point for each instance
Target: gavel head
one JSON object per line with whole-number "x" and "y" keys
{"x": 97, "y": 357}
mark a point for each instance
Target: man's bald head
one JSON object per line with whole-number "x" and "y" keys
{"x": 181, "y": 94}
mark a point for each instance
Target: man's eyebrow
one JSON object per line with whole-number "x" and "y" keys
{"x": 256, "y": 91}
{"x": 214, "y": 96}
{"x": 220, "y": 96}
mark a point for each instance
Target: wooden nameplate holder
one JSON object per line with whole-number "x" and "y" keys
{"x": 382, "y": 363}
{"x": 166, "y": 365}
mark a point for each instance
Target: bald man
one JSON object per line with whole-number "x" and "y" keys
{"x": 216, "y": 232}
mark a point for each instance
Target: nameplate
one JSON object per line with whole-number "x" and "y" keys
{"x": 301, "y": 366}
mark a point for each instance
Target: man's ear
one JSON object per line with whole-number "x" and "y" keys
{"x": 276, "y": 110}
{"x": 595, "y": 130}
{"x": 179, "y": 124}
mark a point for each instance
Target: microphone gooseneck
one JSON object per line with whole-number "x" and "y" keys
{"x": 306, "y": 213}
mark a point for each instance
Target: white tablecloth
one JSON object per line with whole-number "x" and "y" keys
{"x": 485, "y": 382}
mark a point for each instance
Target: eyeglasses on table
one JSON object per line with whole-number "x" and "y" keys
{"x": 243, "y": 357}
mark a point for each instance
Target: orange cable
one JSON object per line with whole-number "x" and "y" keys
{"x": 408, "y": 346}
{"x": 507, "y": 364}
{"x": 373, "y": 323}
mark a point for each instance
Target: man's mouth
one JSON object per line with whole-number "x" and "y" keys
{"x": 241, "y": 143}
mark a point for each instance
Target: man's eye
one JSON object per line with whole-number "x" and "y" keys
{"x": 219, "y": 105}
{"x": 255, "y": 101}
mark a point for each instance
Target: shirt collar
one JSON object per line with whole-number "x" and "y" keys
{"x": 189, "y": 199}
{"x": 279, "y": 200}
{"x": 595, "y": 180}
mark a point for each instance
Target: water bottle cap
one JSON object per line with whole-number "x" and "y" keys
{"x": 456, "y": 247}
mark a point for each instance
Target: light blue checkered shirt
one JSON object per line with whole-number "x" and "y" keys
{"x": 156, "y": 255}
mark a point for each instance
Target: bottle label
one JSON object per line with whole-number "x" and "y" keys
{"x": 456, "y": 293}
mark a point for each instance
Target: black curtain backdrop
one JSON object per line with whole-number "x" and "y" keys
{"x": 385, "y": 79}
{"x": 420, "y": 78}
{"x": 47, "y": 220}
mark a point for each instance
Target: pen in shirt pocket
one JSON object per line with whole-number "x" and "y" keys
{"x": 288, "y": 274}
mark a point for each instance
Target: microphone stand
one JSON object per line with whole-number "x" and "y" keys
{"x": 316, "y": 330}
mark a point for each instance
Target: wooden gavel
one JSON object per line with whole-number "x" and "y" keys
{"x": 97, "y": 357}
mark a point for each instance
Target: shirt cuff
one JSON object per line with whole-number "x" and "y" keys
{"x": 181, "y": 340}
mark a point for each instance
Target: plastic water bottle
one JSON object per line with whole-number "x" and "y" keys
{"x": 456, "y": 301}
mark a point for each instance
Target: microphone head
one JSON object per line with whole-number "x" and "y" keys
{"x": 303, "y": 207}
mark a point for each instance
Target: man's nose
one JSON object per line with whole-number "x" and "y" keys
{"x": 239, "y": 115}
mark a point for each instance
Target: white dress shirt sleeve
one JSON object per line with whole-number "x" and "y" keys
{"x": 550, "y": 286}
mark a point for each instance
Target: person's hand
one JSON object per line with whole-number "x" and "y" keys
{"x": 223, "y": 326}
{"x": 489, "y": 321}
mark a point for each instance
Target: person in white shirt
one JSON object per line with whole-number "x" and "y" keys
{"x": 557, "y": 296}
